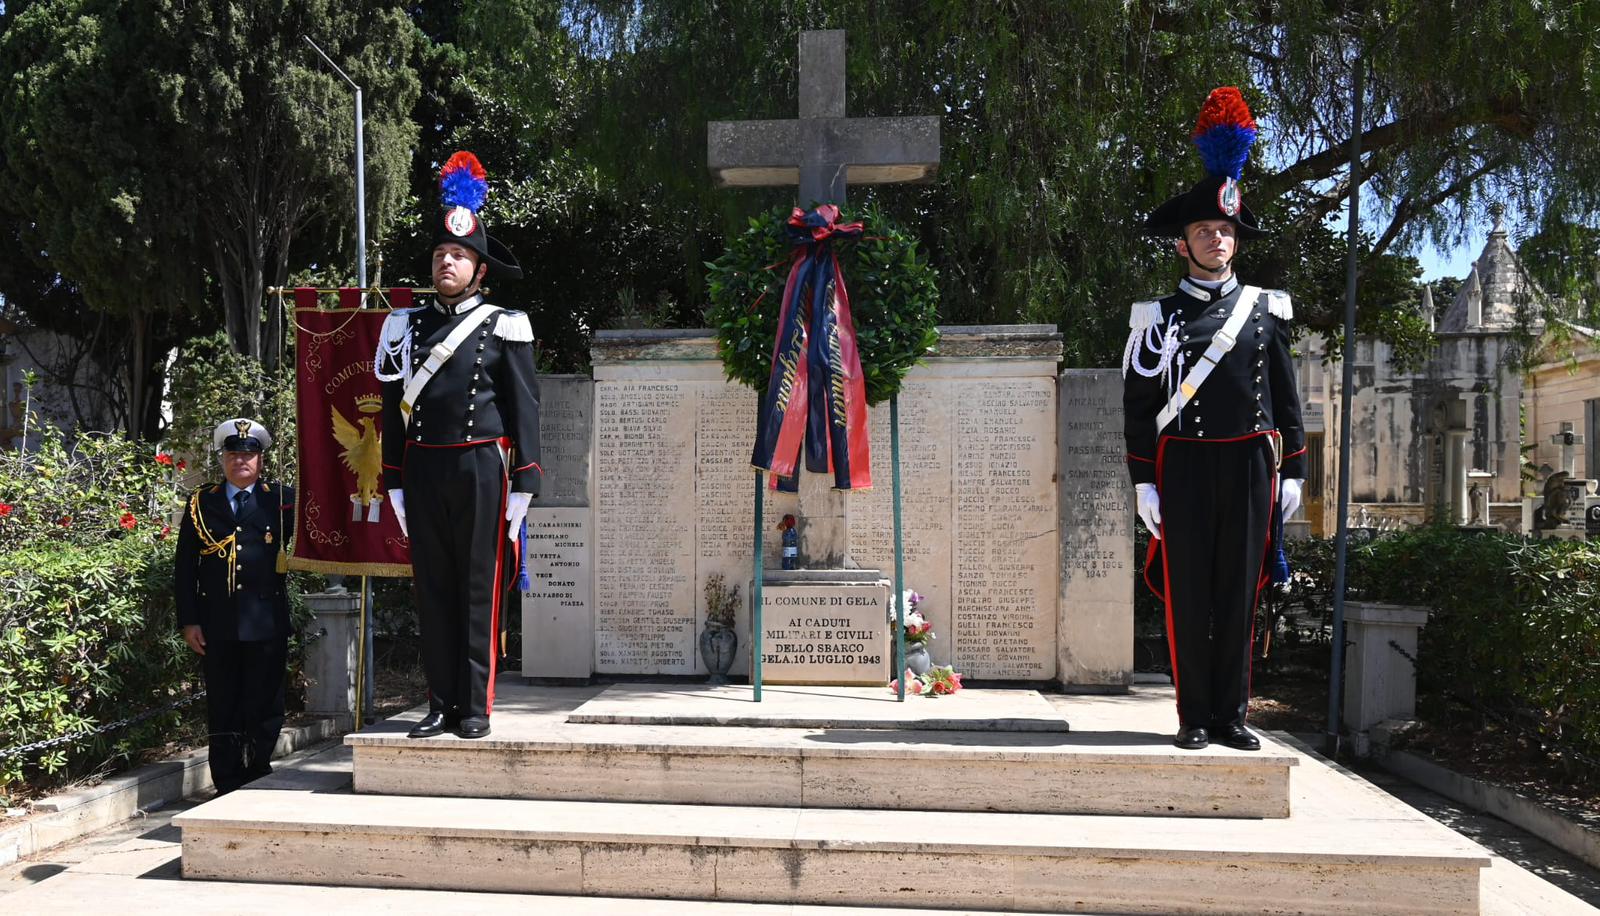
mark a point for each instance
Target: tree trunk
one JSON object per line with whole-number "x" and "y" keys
{"x": 138, "y": 346}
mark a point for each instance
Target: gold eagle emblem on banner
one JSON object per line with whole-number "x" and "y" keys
{"x": 362, "y": 456}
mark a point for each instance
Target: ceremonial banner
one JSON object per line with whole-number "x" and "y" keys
{"x": 816, "y": 395}
{"x": 343, "y": 523}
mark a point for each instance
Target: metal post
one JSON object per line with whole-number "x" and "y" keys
{"x": 755, "y": 595}
{"x": 899, "y": 554}
{"x": 361, "y": 659}
{"x": 1341, "y": 547}
{"x": 361, "y": 170}
{"x": 361, "y": 196}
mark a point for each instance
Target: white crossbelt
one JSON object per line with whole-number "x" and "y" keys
{"x": 1221, "y": 343}
{"x": 440, "y": 354}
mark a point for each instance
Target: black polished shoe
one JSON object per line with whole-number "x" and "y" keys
{"x": 474, "y": 727}
{"x": 1192, "y": 739}
{"x": 1238, "y": 737}
{"x": 434, "y": 723}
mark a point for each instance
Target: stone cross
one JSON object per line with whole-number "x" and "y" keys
{"x": 822, "y": 151}
{"x": 1569, "y": 442}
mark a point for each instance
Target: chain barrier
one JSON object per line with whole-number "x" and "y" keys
{"x": 74, "y": 737}
{"x": 48, "y": 743}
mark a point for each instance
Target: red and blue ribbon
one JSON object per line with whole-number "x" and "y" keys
{"x": 816, "y": 395}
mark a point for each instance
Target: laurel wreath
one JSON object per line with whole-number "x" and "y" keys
{"x": 894, "y": 299}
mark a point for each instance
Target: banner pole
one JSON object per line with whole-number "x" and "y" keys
{"x": 361, "y": 658}
{"x": 755, "y": 596}
{"x": 899, "y": 555}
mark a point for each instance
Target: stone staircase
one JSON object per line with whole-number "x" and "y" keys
{"x": 634, "y": 794}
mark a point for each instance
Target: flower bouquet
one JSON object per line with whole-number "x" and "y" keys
{"x": 941, "y": 680}
{"x": 918, "y": 630}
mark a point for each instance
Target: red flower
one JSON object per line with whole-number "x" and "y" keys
{"x": 66, "y": 521}
{"x": 128, "y": 522}
{"x": 182, "y": 464}
{"x": 165, "y": 530}
{"x": 163, "y": 458}
{"x": 5, "y": 509}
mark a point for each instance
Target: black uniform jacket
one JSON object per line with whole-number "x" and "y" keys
{"x": 253, "y": 604}
{"x": 1251, "y": 389}
{"x": 486, "y": 391}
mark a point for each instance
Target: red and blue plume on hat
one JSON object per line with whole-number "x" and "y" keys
{"x": 1224, "y": 133}
{"x": 462, "y": 182}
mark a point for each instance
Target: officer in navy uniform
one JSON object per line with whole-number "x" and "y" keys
{"x": 232, "y": 602}
{"x": 462, "y": 465}
{"x": 1214, "y": 440}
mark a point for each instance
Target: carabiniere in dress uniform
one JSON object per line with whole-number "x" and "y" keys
{"x": 460, "y": 453}
{"x": 1213, "y": 431}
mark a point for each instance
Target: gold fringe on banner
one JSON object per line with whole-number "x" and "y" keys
{"x": 339, "y": 567}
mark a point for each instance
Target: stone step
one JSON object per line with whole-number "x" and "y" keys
{"x": 1118, "y": 773}
{"x": 1399, "y": 863}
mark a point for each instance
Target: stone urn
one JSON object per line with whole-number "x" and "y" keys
{"x": 717, "y": 648}
{"x": 918, "y": 659}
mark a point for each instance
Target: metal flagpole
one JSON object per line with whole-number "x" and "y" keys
{"x": 899, "y": 555}
{"x": 1341, "y": 547}
{"x": 361, "y": 282}
{"x": 361, "y": 170}
{"x": 361, "y": 659}
{"x": 755, "y": 596}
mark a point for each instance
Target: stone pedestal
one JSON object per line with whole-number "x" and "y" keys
{"x": 331, "y": 660}
{"x": 1380, "y": 681}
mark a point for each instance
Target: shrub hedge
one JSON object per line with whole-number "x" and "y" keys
{"x": 88, "y": 630}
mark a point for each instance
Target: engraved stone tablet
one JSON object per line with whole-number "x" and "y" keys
{"x": 558, "y": 611}
{"x": 833, "y": 633}
{"x": 1097, "y": 563}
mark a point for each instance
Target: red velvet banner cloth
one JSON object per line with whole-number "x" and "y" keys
{"x": 343, "y": 521}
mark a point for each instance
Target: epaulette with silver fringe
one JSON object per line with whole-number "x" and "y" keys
{"x": 1279, "y": 306}
{"x": 514, "y": 326}
{"x": 1144, "y": 314}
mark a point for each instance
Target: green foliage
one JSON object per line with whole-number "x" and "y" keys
{"x": 87, "y": 631}
{"x": 212, "y": 383}
{"x": 169, "y": 157}
{"x": 894, "y": 299}
{"x": 1513, "y": 625}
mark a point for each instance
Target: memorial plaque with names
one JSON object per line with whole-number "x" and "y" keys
{"x": 825, "y": 634}
{"x": 926, "y": 449}
{"x": 645, "y": 602}
{"x": 724, "y": 489}
{"x": 558, "y": 610}
{"x": 566, "y": 412}
{"x": 1004, "y": 531}
{"x": 1098, "y": 568}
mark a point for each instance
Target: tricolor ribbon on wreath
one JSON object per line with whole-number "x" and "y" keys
{"x": 816, "y": 395}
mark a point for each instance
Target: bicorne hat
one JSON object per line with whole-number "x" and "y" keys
{"x": 1223, "y": 133}
{"x": 463, "y": 186}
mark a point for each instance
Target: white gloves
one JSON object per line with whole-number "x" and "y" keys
{"x": 1289, "y": 495}
{"x": 516, "y": 510}
{"x": 1149, "y": 507}
{"x": 397, "y": 499}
